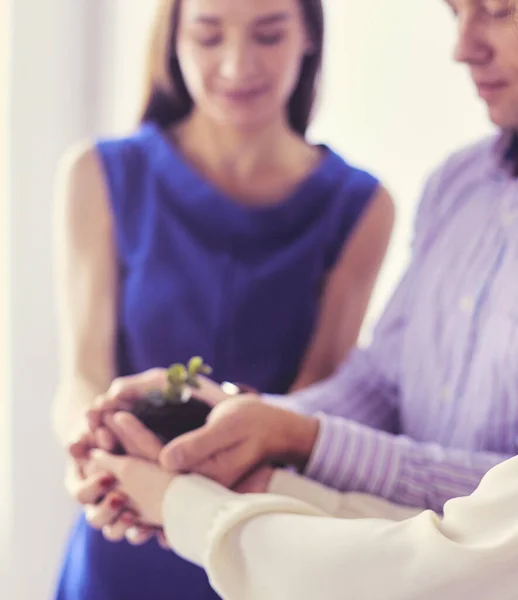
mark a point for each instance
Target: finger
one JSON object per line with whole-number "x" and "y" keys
{"x": 106, "y": 511}
{"x": 228, "y": 466}
{"x": 209, "y": 391}
{"x": 116, "y": 531}
{"x": 79, "y": 449}
{"x": 255, "y": 482}
{"x": 74, "y": 477}
{"x": 162, "y": 540}
{"x": 105, "y": 439}
{"x": 78, "y": 452}
{"x": 94, "y": 416}
{"x": 125, "y": 390}
{"x": 138, "y": 535}
{"x": 197, "y": 446}
{"x": 122, "y": 393}
{"x": 103, "y": 406}
{"x": 136, "y": 439}
{"x": 89, "y": 490}
{"x": 107, "y": 462}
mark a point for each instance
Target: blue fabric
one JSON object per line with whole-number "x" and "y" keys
{"x": 203, "y": 274}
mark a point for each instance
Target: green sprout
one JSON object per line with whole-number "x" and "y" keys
{"x": 195, "y": 367}
{"x": 179, "y": 376}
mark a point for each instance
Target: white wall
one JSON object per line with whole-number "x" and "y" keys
{"x": 4, "y": 169}
{"x": 392, "y": 102}
{"x": 125, "y": 35}
{"x": 50, "y": 106}
{"x": 69, "y": 71}
{"x": 395, "y": 103}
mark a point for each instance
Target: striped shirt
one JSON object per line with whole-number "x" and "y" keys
{"x": 431, "y": 405}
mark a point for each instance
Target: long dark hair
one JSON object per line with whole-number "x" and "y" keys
{"x": 166, "y": 99}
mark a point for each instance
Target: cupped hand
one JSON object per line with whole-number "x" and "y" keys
{"x": 125, "y": 391}
{"x": 143, "y": 482}
{"x": 241, "y": 434}
{"x": 256, "y": 482}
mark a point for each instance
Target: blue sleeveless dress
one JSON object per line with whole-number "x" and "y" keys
{"x": 203, "y": 275}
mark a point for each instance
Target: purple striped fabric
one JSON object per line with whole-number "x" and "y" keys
{"x": 432, "y": 404}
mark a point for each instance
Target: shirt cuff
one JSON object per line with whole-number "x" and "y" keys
{"x": 349, "y": 456}
{"x": 287, "y": 483}
{"x": 190, "y": 508}
{"x": 287, "y": 402}
{"x": 197, "y": 512}
{"x": 202, "y": 521}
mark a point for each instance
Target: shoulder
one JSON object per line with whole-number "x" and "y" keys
{"x": 376, "y": 204}
{"x": 80, "y": 191}
{"x": 372, "y": 235}
{"x": 356, "y": 188}
{"x": 350, "y": 174}
{"x": 445, "y": 189}
{"x": 102, "y": 167}
{"x": 136, "y": 142}
{"x": 362, "y": 208}
{"x": 381, "y": 211}
{"x": 79, "y": 166}
{"x": 474, "y": 159}
{"x": 88, "y": 159}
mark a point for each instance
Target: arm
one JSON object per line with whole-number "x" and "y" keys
{"x": 347, "y": 505}
{"x": 263, "y": 546}
{"x": 85, "y": 271}
{"x": 347, "y": 292}
{"x": 243, "y": 433}
{"x": 365, "y": 386}
{"x": 354, "y": 457}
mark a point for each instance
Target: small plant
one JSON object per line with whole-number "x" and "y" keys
{"x": 181, "y": 382}
{"x": 175, "y": 410}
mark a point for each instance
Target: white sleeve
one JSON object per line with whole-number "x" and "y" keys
{"x": 266, "y": 547}
{"x": 345, "y": 505}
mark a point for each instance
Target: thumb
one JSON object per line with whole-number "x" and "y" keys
{"x": 107, "y": 462}
{"x": 186, "y": 451}
{"x": 136, "y": 439}
{"x": 123, "y": 391}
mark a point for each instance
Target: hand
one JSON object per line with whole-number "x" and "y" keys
{"x": 125, "y": 391}
{"x": 144, "y": 482}
{"x": 137, "y": 441}
{"x": 108, "y": 509}
{"x": 240, "y": 434}
{"x": 256, "y": 482}
{"x": 105, "y": 508}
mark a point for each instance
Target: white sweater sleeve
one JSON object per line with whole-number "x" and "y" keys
{"x": 345, "y": 505}
{"x": 268, "y": 547}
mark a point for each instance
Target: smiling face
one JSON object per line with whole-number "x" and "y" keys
{"x": 488, "y": 44}
{"x": 241, "y": 59}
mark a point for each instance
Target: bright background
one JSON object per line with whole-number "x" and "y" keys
{"x": 393, "y": 102}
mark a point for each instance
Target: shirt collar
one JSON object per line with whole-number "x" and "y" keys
{"x": 504, "y": 153}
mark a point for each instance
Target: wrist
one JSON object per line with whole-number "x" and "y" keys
{"x": 298, "y": 437}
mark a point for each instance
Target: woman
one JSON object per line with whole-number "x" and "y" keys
{"x": 215, "y": 229}
{"x": 258, "y": 546}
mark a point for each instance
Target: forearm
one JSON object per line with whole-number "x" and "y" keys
{"x": 344, "y": 505}
{"x": 357, "y": 391}
{"x": 351, "y": 457}
{"x": 260, "y": 546}
{"x": 74, "y": 397}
